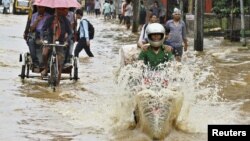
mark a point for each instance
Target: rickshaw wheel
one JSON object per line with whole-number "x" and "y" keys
{"x": 53, "y": 76}
{"x": 75, "y": 77}
{"x": 28, "y": 71}
{"x": 23, "y": 72}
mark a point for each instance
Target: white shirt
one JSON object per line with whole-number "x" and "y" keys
{"x": 84, "y": 32}
{"x": 112, "y": 8}
{"x": 6, "y": 3}
{"x": 129, "y": 10}
{"x": 97, "y": 4}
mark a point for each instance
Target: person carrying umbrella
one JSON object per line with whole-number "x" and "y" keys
{"x": 56, "y": 28}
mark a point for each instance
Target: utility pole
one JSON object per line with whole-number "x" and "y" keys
{"x": 190, "y": 6}
{"x": 232, "y": 21}
{"x": 181, "y": 8}
{"x": 198, "y": 25}
{"x": 243, "y": 38}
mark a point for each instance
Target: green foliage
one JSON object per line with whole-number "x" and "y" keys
{"x": 220, "y": 8}
{"x": 223, "y": 8}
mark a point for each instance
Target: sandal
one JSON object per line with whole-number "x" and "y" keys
{"x": 44, "y": 73}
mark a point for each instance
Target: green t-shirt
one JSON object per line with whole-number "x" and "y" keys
{"x": 152, "y": 59}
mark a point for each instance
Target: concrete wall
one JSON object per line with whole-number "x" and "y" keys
{"x": 237, "y": 22}
{"x": 213, "y": 23}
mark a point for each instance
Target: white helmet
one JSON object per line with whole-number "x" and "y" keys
{"x": 155, "y": 28}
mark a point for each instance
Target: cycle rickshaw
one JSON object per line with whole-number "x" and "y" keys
{"x": 27, "y": 64}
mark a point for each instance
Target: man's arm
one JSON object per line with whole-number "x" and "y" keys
{"x": 140, "y": 41}
{"x": 45, "y": 27}
{"x": 34, "y": 22}
{"x": 69, "y": 26}
{"x": 27, "y": 29}
{"x": 167, "y": 48}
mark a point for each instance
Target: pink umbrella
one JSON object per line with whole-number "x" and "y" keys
{"x": 57, "y": 3}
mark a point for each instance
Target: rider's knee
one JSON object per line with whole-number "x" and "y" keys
{"x": 31, "y": 43}
{"x": 45, "y": 53}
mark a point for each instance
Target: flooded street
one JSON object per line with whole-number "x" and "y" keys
{"x": 216, "y": 91}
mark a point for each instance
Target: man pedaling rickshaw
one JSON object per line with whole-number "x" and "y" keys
{"x": 56, "y": 28}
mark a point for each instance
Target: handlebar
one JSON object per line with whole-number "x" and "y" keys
{"x": 45, "y": 43}
{"x": 60, "y": 45}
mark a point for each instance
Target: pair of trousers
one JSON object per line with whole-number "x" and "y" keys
{"x": 69, "y": 50}
{"x": 32, "y": 49}
{"x": 82, "y": 44}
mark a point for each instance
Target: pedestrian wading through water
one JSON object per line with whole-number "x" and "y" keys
{"x": 90, "y": 28}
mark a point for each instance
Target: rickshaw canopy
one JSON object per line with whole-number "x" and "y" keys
{"x": 58, "y": 3}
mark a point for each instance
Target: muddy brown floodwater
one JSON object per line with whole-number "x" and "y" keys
{"x": 95, "y": 108}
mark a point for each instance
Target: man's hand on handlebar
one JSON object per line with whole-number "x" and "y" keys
{"x": 57, "y": 43}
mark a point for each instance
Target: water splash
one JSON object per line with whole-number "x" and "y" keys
{"x": 194, "y": 77}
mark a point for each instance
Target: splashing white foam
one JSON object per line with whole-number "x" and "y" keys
{"x": 188, "y": 77}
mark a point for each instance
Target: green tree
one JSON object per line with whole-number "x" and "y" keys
{"x": 223, "y": 8}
